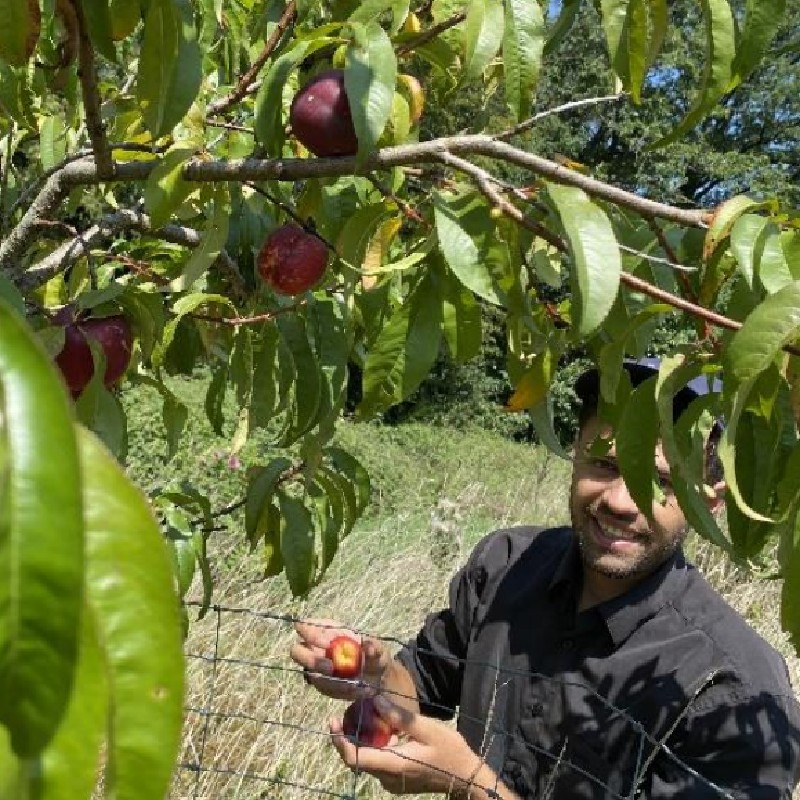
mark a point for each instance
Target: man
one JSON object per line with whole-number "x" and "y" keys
{"x": 588, "y": 661}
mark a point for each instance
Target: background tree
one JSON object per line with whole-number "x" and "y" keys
{"x": 157, "y": 186}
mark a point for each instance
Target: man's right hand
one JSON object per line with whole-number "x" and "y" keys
{"x": 313, "y": 637}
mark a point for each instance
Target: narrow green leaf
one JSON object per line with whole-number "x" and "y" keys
{"x": 98, "y": 21}
{"x": 752, "y": 350}
{"x": 297, "y": 543}
{"x": 720, "y": 52}
{"x": 562, "y": 26}
{"x": 68, "y": 767}
{"x": 260, "y": 492}
{"x": 523, "y": 43}
{"x": 369, "y": 79}
{"x": 790, "y": 569}
{"x": 166, "y": 189}
{"x": 636, "y": 437}
{"x": 11, "y": 295}
{"x": 404, "y": 351}
{"x": 269, "y": 122}
{"x": 200, "y": 544}
{"x": 372, "y": 10}
{"x": 626, "y": 27}
{"x": 214, "y": 403}
{"x": 264, "y": 397}
{"x": 41, "y": 541}
{"x": 773, "y": 270}
{"x": 214, "y": 238}
{"x": 358, "y": 231}
{"x": 125, "y": 17}
{"x": 131, "y": 592}
{"x": 170, "y": 68}
{"x": 686, "y": 480}
{"x": 19, "y": 32}
{"x": 483, "y": 35}
{"x": 461, "y": 320}
{"x": 747, "y": 244}
{"x": 347, "y": 464}
{"x": 762, "y": 21}
{"x": 52, "y": 141}
{"x": 725, "y": 216}
{"x": 595, "y": 255}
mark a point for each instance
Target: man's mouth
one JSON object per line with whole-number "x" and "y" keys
{"x": 609, "y": 536}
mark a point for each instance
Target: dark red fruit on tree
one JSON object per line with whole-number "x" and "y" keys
{"x": 291, "y": 260}
{"x": 320, "y": 116}
{"x": 114, "y": 336}
{"x": 364, "y": 725}
{"x": 344, "y": 652}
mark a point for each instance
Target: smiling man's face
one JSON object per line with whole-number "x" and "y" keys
{"x": 619, "y": 545}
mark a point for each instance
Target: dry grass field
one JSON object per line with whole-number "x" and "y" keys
{"x": 266, "y": 736}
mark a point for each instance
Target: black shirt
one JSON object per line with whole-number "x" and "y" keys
{"x": 663, "y": 692}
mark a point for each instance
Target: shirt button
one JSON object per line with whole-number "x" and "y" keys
{"x": 535, "y": 707}
{"x": 567, "y": 644}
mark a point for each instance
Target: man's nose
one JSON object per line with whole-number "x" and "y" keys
{"x": 618, "y": 499}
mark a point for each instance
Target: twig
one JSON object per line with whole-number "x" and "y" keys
{"x": 230, "y": 126}
{"x": 266, "y": 317}
{"x": 5, "y": 171}
{"x": 431, "y": 33}
{"x": 91, "y": 96}
{"x": 407, "y": 209}
{"x": 241, "y": 88}
{"x": 686, "y": 286}
{"x": 656, "y": 260}
{"x": 529, "y": 123}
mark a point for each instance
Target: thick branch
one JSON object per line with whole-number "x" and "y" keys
{"x": 91, "y": 96}
{"x": 241, "y": 88}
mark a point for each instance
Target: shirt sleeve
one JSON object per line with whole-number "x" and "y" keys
{"x": 746, "y": 745}
{"x": 435, "y": 658}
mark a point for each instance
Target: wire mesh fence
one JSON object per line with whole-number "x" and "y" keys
{"x": 255, "y": 729}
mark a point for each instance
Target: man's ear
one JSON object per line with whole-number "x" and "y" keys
{"x": 715, "y": 495}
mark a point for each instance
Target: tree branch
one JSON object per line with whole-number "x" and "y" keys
{"x": 431, "y": 33}
{"x": 65, "y": 255}
{"x": 529, "y": 123}
{"x": 91, "y": 96}
{"x": 241, "y": 88}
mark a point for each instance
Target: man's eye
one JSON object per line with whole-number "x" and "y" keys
{"x": 664, "y": 482}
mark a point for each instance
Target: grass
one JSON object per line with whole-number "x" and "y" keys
{"x": 436, "y": 492}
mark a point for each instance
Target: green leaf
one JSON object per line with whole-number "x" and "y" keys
{"x": 358, "y": 231}
{"x": 790, "y": 569}
{"x": 308, "y": 383}
{"x": 13, "y": 298}
{"x": 269, "y": 122}
{"x": 762, "y": 21}
{"x": 595, "y": 255}
{"x": 371, "y": 10}
{"x": 125, "y": 17}
{"x": 369, "y": 79}
{"x": 263, "y": 402}
{"x": 130, "y": 589}
{"x": 355, "y": 473}
{"x": 773, "y": 269}
{"x": 19, "y": 32}
{"x": 52, "y": 141}
{"x": 720, "y": 51}
{"x": 260, "y": 493}
{"x": 41, "y": 541}
{"x": 67, "y": 769}
{"x": 626, "y": 28}
{"x": 747, "y": 244}
{"x": 461, "y": 319}
{"x": 214, "y": 402}
{"x": 523, "y": 43}
{"x": 752, "y": 350}
{"x": 636, "y": 438}
{"x": 686, "y": 482}
{"x": 211, "y": 245}
{"x": 404, "y": 351}
{"x": 271, "y": 531}
{"x": 467, "y": 238}
{"x": 98, "y": 21}
{"x": 562, "y": 26}
{"x": 725, "y": 216}
{"x": 170, "y": 65}
{"x": 483, "y": 35}
{"x": 297, "y": 543}
{"x": 166, "y": 189}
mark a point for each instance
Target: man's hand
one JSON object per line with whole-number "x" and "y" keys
{"x": 309, "y": 652}
{"x": 426, "y": 757}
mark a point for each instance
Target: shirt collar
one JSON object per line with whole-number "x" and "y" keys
{"x": 623, "y": 614}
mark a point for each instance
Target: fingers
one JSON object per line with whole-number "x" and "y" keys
{"x": 319, "y": 632}
{"x": 418, "y": 727}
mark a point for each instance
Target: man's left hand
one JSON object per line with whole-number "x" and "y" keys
{"x": 426, "y": 756}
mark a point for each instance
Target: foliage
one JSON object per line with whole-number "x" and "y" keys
{"x": 149, "y": 140}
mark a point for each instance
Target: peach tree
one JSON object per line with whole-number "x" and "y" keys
{"x": 244, "y": 186}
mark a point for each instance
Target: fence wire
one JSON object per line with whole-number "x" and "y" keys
{"x": 235, "y": 751}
